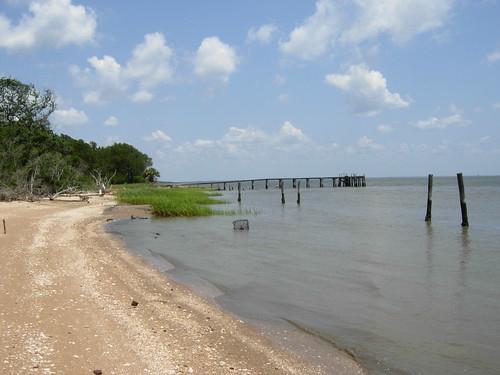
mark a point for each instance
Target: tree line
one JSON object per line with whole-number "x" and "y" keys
{"x": 35, "y": 161}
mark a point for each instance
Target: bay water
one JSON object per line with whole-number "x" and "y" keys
{"x": 355, "y": 268}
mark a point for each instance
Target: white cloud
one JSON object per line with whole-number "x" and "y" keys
{"x": 158, "y": 135}
{"x": 366, "y": 90}
{"x": 318, "y": 32}
{"x": 283, "y": 98}
{"x": 215, "y": 58}
{"x": 263, "y": 34}
{"x": 279, "y": 80}
{"x": 494, "y": 56}
{"x": 68, "y": 117}
{"x": 400, "y": 19}
{"x": 50, "y": 23}
{"x": 290, "y": 133}
{"x": 149, "y": 66}
{"x": 366, "y": 143}
{"x": 111, "y": 121}
{"x": 249, "y": 141}
{"x": 142, "y": 96}
{"x": 443, "y": 122}
{"x": 151, "y": 62}
{"x": 384, "y": 128}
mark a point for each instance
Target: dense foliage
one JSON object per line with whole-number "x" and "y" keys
{"x": 36, "y": 161}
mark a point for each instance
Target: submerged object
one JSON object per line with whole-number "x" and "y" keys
{"x": 241, "y": 224}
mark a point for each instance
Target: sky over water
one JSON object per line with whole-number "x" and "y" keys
{"x": 227, "y": 89}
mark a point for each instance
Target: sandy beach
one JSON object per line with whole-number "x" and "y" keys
{"x": 67, "y": 289}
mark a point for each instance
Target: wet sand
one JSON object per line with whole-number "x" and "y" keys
{"x": 66, "y": 292}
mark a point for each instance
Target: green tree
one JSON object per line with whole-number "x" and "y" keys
{"x": 151, "y": 174}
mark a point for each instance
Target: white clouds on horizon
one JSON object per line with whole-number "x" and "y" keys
{"x": 68, "y": 117}
{"x": 50, "y": 23}
{"x": 263, "y": 34}
{"x": 455, "y": 119}
{"x": 385, "y": 128}
{"x": 158, "y": 135}
{"x": 215, "y": 58}
{"x": 149, "y": 66}
{"x": 366, "y": 90}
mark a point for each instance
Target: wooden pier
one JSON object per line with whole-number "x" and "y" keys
{"x": 340, "y": 181}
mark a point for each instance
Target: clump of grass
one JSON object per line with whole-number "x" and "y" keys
{"x": 172, "y": 202}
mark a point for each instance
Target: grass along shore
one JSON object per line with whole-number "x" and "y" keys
{"x": 173, "y": 202}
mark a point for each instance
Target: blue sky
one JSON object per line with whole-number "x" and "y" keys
{"x": 241, "y": 89}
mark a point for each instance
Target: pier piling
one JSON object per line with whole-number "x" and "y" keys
{"x": 239, "y": 192}
{"x": 298, "y": 193}
{"x": 463, "y": 205}
{"x": 282, "y": 187}
{"x": 428, "y": 214}
{"x": 4, "y": 227}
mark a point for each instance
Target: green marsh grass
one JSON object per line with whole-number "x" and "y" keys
{"x": 173, "y": 202}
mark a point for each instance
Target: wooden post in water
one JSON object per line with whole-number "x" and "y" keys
{"x": 308, "y": 185}
{"x": 4, "y": 227}
{"x": 267, "y": 184}
{"x": 428, "y": 214}
{"x": 294, "y": 183}
{"x": 252, "y": 184}
{"x": 463, "y": 206}
{"x": 320, "y": 182}
{"x": 224, "y": 186}
{"x": 298, "y": 193}
{"x": 239, "y": 192}
{"x": 282, "y": 187}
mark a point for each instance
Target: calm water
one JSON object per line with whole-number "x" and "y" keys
{"x": 354, "y": 266}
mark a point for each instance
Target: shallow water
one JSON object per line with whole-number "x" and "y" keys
{"x": 356, "y": 266}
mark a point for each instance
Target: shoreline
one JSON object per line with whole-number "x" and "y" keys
{"x": 68, "y": 287}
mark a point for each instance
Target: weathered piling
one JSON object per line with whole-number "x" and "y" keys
{"x": 253, "y": 182}
{"x": 463, "y": 205}
{"x": 428, "y": 214}
{"x": 267, "y": 184}
{"x": 294, "y": 183}
{"x": 282, "y": 187}
{"x": 308, "y": 185}
{"x": 320, "y": 182}
{"x": 239, "y": 192}
{"x": 298, "y": 193}
{"x": 4, "y": 227}
{"x": 224, "y": 186}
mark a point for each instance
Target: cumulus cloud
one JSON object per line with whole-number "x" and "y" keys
{"x": 400, "y": 19}
{"x": 263, "y": 34}
{"x": 142, "y": 96}
{"x": 151, "y": 62}
{"x": 318, "y": 32}
{"x": 290, "y": 133}
{"x": 49, "y": 23}
{"x": 384, "y": 128}
{"x": 443, "y": 122}
{"x": 158, "y": 135}
{"x": 215, "y": 58}
{"x": 111, "y": 121}
{"x": 366, "y": 90}
{"x": 149, "y": 66}
{"x": 494, "y": 56}
{"x": 68, "y": 117}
